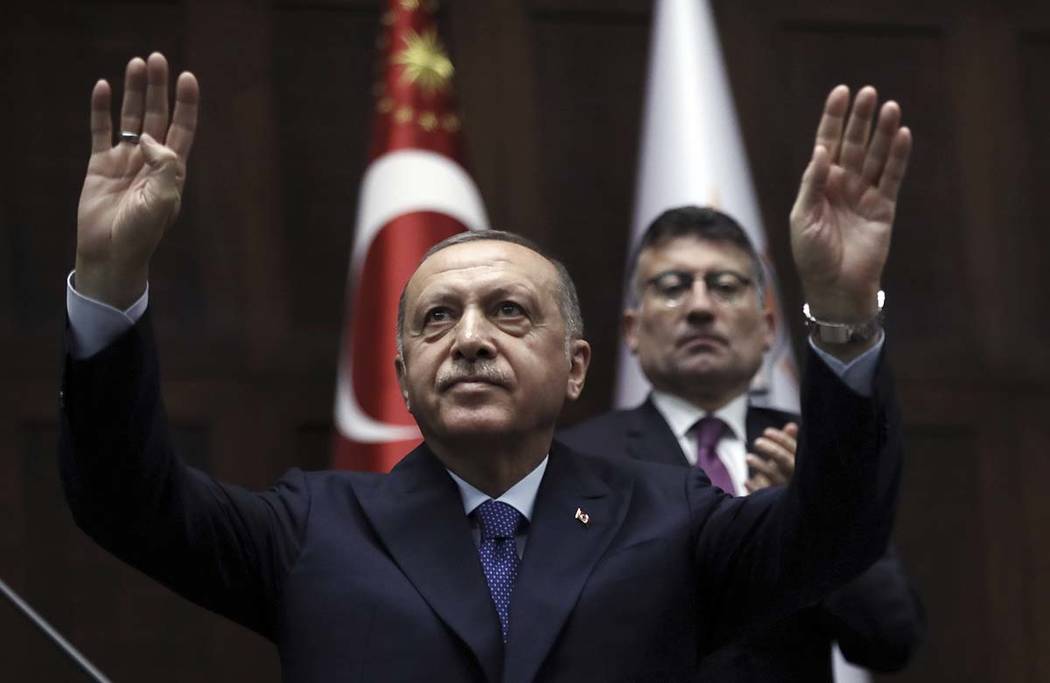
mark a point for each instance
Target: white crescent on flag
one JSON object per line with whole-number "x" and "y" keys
{"x": 401, "y": 182}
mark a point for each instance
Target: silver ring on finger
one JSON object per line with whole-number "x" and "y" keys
{"x": 126, "y": 136}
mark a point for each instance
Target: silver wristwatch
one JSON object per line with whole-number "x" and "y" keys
{"x": 845, "y": 333}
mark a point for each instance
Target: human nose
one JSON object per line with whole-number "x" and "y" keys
{"x": 698, "y": 300}
{"x": 473, "y": 338}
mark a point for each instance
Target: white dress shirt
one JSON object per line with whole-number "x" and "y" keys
{"x": 521, "y": 497}
{"x": 732, "y": 448}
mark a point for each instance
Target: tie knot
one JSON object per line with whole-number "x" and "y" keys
{"x": 709, "y": 430}
{"x": 498, "y": 520}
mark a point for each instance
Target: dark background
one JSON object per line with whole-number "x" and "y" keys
{"x": 248, "y": 286}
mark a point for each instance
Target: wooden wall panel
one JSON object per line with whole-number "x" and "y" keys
{"x": 1033, "y": 470}
{"x": 1028, "y": 236}
{"x": 590, "y": 74}
{"x": 323, "y": 64}
{"x": 940, "y": 499}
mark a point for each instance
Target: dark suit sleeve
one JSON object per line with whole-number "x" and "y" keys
{"x": 877, "y": 618}
{"x": 775, "y": 551}
{"x": 220, "y": 546}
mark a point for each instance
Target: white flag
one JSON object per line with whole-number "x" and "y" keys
{"x": 692, "y": 153}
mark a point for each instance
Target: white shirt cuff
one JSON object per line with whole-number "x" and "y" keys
{"x": 859, "y": 373}
{"x": 95, "y": 325}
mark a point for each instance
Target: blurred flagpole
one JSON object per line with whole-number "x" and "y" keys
{"x": 415, "y": 192}
{"x": 692, "y": 152}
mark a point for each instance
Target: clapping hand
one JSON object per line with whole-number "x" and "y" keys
{"x": 773, "y": 461}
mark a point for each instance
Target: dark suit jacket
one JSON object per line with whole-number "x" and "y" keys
{"x": 876, "y": 618}
{"x": 369, "y": 577}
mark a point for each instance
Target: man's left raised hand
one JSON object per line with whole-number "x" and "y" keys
{"x": 843, "y": 216}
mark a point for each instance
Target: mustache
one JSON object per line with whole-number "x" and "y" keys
{"x": 476, "y": 371}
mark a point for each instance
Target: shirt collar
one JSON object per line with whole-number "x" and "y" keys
{"x": 681, "y": 415}
{"x": 521, "y": 496}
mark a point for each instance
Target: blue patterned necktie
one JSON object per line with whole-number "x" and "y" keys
{"x": 499, "y": 525}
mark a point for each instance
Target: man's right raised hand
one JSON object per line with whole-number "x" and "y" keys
{"x": 132, "y": 192}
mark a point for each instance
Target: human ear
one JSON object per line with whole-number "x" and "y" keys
{"x": 400, "y": 370}
{"x": 769, "y": 321}
{"x": 630, "y": 329}
{"x": 579, "y": 361}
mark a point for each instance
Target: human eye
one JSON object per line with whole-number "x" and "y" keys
{"x": 727, "y": 285}
{"x": 509, "y": 309}
{"x": 437, "y": 316}
{"x": 671, "y": 284}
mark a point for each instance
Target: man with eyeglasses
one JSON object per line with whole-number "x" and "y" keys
{"x": 698, "y": 323}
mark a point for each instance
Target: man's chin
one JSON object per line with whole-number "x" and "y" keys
{"x": 466, "y": 423}
{"x": 700, "y": 368}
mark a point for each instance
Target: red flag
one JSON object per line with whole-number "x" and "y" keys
{"x": 415, "y": 192}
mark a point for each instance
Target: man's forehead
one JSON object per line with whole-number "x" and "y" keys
{"x": 482, "y": 260}
{"x": 693, "y": 253}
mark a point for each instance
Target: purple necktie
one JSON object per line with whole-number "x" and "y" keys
{"x": 499, "y": 525}
{"x": 708, "y": 431}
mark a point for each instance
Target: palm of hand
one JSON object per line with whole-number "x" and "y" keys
{"x": 844, "y": 239}
{"x": 126, "y": 204}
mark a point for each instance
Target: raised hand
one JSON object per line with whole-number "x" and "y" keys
{"x": 843, "y": 216}
{"x": 132, "y": 191}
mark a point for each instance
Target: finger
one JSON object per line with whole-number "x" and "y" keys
{"x": 184, "y": 120}
{"x": 101, "y": 123}
{"x": 814, "y": 182}
{"x": 855, "y": 141}
{"x": 885, "y": 130}
{"x": 761, "y": 466}
{"x": 781, "y": 438}
{"x": 134, "y": 92}
{"x": 781, "y": 458}
{"x": 791, "y": 429}
{"x": 757, "y": 483}
{"x": 829, "y": 131}
{"x": 896, "y": 164}
{"x": 156, "y": 96}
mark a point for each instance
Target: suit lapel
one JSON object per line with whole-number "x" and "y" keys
{"x": 560, "y": 553}
{"x": 418, "y": 514}
{"x": 650, "y": 438}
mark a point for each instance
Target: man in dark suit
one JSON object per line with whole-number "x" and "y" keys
{"x": 698, "y": 324}
{"x": 490, "y": 552}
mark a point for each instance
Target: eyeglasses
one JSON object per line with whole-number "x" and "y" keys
{"x": 671, "y": 287}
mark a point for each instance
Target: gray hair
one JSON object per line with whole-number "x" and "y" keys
{"x": 568, "y": 300}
